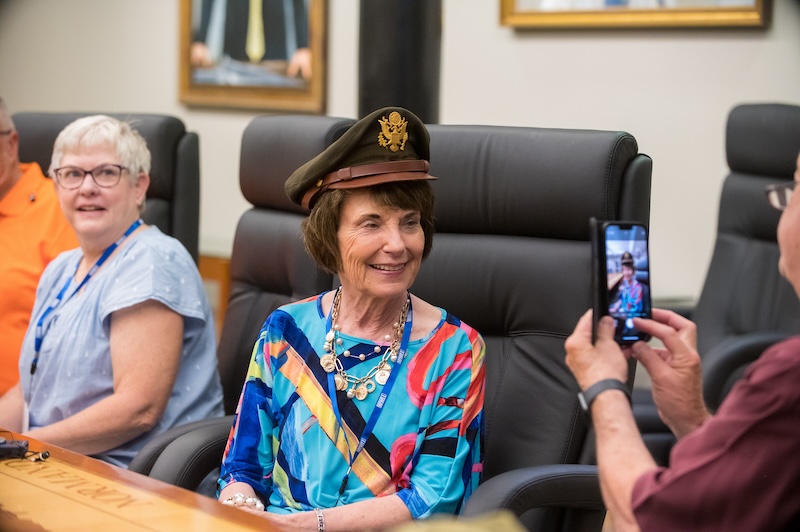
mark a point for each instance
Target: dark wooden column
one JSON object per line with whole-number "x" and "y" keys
{"x": 400, "y": 56}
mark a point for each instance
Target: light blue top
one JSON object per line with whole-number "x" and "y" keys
{"x": 74, "y": 369}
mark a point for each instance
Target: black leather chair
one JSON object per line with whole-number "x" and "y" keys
{"x": 173, "y": 199}
{"x": 745, "y": 305}
{"x": 269, "y": 267}
{"x": 269, "y": 264}
{"x": 511, "y": 257}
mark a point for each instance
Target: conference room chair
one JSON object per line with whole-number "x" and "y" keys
{"x": 511, "y": 257}
{"x": 269, "y": 265}
{"x": 745, "y": 305}
{"x": 173, "y": 199}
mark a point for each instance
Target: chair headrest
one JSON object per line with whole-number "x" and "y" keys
{"x": 275, "y": 146}
{"x": 38, "y": 132}
{"x": 526, "y": 181}
{"x": 763, "y": 139}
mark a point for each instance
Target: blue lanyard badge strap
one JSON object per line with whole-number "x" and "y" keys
{"x": 376, "y": 411}
{"x": 40, "y": 323}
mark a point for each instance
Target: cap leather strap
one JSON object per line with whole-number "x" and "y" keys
{"x": 353, "y": 172}
{"x": 388, "y": 167}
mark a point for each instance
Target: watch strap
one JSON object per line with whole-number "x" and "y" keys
{"x": 587, "y": 396}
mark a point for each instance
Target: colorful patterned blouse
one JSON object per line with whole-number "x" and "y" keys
{"x": 629, "y": 299}
{"x": 288, "y": 443}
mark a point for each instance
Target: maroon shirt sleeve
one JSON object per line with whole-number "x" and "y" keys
{"x": 741, "y": 469}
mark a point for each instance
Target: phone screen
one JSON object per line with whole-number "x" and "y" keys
{"x": 625, "y": 267}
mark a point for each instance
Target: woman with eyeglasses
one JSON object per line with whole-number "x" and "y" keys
{"x": 121, "y": 344}
{"x": 737, "y": 469}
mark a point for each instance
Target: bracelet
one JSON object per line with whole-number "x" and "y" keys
{"x": 587, "y": 397}
{"x": 240, "y": 499}
{"x": 320, "y": 520}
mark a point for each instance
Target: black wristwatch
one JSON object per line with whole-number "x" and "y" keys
{"x": 587, "y": 396}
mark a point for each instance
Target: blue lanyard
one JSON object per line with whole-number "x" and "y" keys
{"x": 40, "y": 329}
{"x": 376, "y": 411}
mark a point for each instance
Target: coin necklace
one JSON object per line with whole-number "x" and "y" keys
{"x": 360, "y": 387}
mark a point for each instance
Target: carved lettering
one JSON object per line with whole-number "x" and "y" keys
{"x": 60, "y": 474}
{"x": 31, "y": 468}
{"x": 75, "y": 483}
{"x": 95, "y": 492}
{"x": 71, "y": 484}
{"x": 19, "y": 464}
{"x": 42, "y": 468}
{"x": 111, "y": 496}
{"x": 134, "y": 502}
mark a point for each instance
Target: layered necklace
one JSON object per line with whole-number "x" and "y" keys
{"x": 360, "y": 387}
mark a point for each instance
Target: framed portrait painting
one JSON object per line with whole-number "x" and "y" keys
{"x": 571, "y": 14}
{"x": 253, "y": 54}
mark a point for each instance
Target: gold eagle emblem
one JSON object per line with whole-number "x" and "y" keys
{"x": 393, "y": 135}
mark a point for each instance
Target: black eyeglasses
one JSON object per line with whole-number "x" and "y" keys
{"x": 105, "y": 175}
{"x": 779, "y": 195}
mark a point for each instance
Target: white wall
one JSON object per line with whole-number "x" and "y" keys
{"x": 671, "y": 89}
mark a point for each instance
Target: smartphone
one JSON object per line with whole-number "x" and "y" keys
{"x": 621, "y": 277}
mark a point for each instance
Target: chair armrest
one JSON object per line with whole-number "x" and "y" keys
{"x": 520, "y": 490}
{"x": 147, "y": 455}
{"x": 723, "y": 365}
{"x": 192, "y": 456}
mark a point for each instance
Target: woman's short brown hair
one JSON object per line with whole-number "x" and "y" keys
{"x": 322, "y": 225}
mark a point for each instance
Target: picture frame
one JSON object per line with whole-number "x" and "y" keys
{"x": 581, "y": 14}
{"x": 288, "y": 75}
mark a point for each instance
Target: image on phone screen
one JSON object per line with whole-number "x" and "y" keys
{"x": 627, "y": 267}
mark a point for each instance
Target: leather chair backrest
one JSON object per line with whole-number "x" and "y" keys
{"x": 269, "y": 264}
{"x": 743, "y": 290}
{"x": 512, "y": 257}
{"x": 173, "y": 199}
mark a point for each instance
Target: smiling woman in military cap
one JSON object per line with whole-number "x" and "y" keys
{"x": 629, "y": 294}
{"x": 362, "y": 407}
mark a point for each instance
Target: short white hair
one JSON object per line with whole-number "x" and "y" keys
{"x": 99, "y": 130}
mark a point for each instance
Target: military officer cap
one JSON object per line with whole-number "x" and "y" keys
{"x": 390, "y": 144}
{"x": 627, "y": 259}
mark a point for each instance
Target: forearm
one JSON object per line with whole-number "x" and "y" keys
{"x": 105, "y": 425}
{"x": 237, "y": 487}
{"x": 145, "y": 342}
{"x": 12, "y": 408}
{"x": 621, "y": 456}
{"x": 688, "y": 422}
{"x": 372, "y": 514}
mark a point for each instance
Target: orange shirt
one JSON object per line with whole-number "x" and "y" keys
{"x": 33, "y": 231}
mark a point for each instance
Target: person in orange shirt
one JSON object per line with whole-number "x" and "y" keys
{"x": 33, "y": 231}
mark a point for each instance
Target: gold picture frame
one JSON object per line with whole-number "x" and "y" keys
{"x": 574, "y": 14}
{"x": 214, "y": 73}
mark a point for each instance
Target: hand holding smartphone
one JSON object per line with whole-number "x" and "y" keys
{"x": 621, "y": 277}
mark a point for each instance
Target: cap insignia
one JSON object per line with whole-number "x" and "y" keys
{"x": 393, "y": 134}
